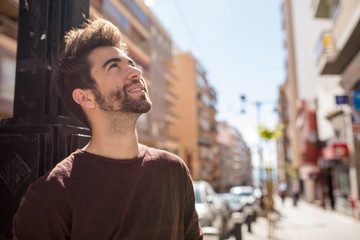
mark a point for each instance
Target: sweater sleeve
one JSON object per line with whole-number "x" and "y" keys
{"x": 44, "y": 212}
{"x": 191, "y": 221}
{"x": 36, "y": 219}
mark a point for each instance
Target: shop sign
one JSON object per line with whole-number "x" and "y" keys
{"x": 335, "y": 151}
{"x": 341, "y": 100}
{"x": 356, "y": 99}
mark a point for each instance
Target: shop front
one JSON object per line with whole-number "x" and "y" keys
{"x": 334, "y": 166}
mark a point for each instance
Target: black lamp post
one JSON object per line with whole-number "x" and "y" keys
{"x": 41, "y": 132}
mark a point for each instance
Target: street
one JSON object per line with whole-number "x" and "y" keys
{"x": 306, "y": 221}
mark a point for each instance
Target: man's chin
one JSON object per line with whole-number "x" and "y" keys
{"x": 142, "y": 106}
{"x": 144, "y": 109}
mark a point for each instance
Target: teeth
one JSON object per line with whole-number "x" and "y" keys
{"x": 136, "y": 90}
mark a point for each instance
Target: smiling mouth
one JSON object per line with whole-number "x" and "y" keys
{"x": 136, "y": 90}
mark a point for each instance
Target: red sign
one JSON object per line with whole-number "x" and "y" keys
{"x": 335, "y": 151}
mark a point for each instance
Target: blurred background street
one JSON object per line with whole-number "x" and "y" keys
{"x": 305, "y": 221}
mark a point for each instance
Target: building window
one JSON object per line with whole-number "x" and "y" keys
{"x": 200, "y": 81}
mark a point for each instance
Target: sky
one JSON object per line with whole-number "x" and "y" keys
{"x": 240, "y": 44}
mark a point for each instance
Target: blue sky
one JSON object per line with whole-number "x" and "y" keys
{"x": 240, "y": 44}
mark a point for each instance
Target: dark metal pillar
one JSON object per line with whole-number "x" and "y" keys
{"x": 41, "y": 132}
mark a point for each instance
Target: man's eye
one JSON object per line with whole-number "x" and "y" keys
{"x": 114, "y": 65}
{"x": 131, "y": 63}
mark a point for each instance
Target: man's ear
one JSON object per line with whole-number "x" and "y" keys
{"x": 84, "y": 98}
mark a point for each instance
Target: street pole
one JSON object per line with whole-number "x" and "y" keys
{"x": 41, "y": 132}
{"x": 258, "y": 105}
{"x": 268, "y": 202}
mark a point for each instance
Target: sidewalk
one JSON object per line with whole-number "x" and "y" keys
{"x": 306, "y": 221}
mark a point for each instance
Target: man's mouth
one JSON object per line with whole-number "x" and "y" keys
{"x": 137, "y": 88}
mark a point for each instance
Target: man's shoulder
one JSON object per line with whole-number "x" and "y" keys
{"x": 155, "y": 153}
{"x": 63, "y": 169}
{"x": 56, "y": 178}
{"x": 165, "y": 157}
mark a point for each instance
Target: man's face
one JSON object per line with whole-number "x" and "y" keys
{"x": 120, "y": 86}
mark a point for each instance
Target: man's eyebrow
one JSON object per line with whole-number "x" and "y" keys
{"x": 111, "y": 60}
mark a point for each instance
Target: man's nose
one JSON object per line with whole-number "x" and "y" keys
{"x": 134, "y": 73}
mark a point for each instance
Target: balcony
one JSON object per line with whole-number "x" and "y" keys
{"x": 171, "y": 97}
{"x": 171, "y": 116}
{"x": 335, "y": 62}
{"x": 170, "y": 78}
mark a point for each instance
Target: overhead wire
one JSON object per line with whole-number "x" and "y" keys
{"x": 186, "y": 25}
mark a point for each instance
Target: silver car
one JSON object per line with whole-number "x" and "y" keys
{"x": 209, "y": 207}
{"x": 247, "y": 197}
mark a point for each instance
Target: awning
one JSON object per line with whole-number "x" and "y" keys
{"x": 335, "y": 151}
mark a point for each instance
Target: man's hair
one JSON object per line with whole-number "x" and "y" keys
{"x": 73, "y": 68}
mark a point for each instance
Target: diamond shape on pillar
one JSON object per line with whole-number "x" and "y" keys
{"x": 14, "y": 171}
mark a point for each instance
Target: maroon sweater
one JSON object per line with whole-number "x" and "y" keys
{"x": 87, "y": 196}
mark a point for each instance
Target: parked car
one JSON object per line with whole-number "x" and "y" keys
{"x": 235, "y": 212}
{"x": 248, "y": 197}
{"x": 210, "y": 207}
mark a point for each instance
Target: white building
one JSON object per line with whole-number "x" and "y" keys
{"x": 317, "y": 90}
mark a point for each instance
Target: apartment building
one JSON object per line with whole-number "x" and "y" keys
{"x": 235, "y": 158}
{"x": 318, "y": 100}
{"x": 197, "y": 126}
{"x": 309, "y": 96}
{"x": 338, "y": 54}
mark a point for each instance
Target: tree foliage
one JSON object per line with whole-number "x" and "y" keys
{"x": 269, "y": 134}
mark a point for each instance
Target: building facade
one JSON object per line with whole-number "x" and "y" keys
{"x": 197, "y": 124}
{"x": 339, "y": 55}
{"x": 235, "y": 158}
{"x": 322, "y": 72}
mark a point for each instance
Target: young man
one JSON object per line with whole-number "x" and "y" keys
{"x": 113, "y": 188}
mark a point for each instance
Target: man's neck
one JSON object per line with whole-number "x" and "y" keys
{"x": 117, "y": 141}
